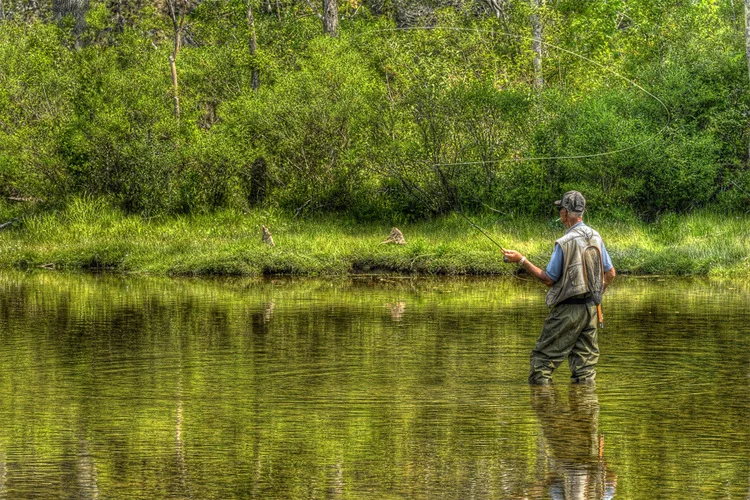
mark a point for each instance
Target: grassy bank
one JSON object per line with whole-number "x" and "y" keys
{"x": 92, "y": 236}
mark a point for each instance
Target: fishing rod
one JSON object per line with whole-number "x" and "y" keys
{"x": 481, "y": 231}
{"x": 459, "y": 209}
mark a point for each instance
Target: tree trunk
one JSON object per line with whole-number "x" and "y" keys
{"x": 119, "y": 18}
{"x": 173, "y": 69}
{"x": 496, "y": 6}
{"x": 331, "y": 17}
{"x": 175, "y": 89}
{"x": 536, "y": 44}
{"x": 75, "y": 8}
{"x": 747, "y": 52}
{"x": 258, "y": 182}
{"x": 178, "y": 20}
{"x": 255, "y": 73}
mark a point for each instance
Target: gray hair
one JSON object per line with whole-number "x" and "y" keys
{"x": 577, "y": 215}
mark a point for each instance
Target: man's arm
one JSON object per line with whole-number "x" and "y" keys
{"x": 540, "y": 274}
{"x": 609, "y": 274}
{"x": 609, "y": 277}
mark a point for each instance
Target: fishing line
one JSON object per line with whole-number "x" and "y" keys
{"x": 561, "y": 49}
{"x": 536, "y": 158}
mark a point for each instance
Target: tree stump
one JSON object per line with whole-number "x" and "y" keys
{"x": 396, "y": 237}
{"x": 267, "y": 238}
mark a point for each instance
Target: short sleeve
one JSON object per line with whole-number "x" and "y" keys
{"x": 554, "y": 268}
{"x": 606, "y": 260}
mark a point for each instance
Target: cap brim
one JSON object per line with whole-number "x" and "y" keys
{"x": 558, "y": 203}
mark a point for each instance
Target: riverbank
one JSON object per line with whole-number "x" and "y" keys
{"x": 92, "y": 236}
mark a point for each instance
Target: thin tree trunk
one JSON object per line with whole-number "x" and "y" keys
{"x": 119, "y": 19}
{"x": 536, "y": 44}
{"x": 496, "y": 7}
{"x": 175, "y": 88}
{"x": 177, "y": 22}
{"x": 331, "y": 17}
{"x": 747, "y": 51}
{"x": 275, "y": 8}
{"x": 75, "y": 8}
{"x": 255, "y": 73}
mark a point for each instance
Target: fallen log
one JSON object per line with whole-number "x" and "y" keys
{"x": 8, "y": 224}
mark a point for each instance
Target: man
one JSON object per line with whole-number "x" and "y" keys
{"x": 570, "y": 328}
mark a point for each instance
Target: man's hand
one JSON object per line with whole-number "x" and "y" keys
{"x": 512, "y": 256}
{"x": 515, "y": 257}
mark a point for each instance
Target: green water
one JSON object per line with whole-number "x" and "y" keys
{"x": 370, "y": 388}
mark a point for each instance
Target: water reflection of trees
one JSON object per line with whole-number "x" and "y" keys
{"x": 262, "y": 391}
{"x": 216, "y": 393}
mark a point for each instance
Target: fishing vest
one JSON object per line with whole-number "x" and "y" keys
{"x": 572, "y": 281}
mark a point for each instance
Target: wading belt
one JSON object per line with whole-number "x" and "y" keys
{"x": 579, "y": 299}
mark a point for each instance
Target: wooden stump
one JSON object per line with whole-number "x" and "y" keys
{"x": 267, "y": 238}
{"x": 396, "y": 237}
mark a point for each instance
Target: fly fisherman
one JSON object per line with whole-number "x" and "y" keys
{"x": 578, "y": 273}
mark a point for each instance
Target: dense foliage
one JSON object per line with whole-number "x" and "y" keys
{"x": 378, "y": 122}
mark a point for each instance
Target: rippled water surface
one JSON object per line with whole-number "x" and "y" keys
{"x": 367, "y": 388}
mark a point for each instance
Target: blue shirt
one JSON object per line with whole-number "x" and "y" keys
{"x": 554, "y": 268}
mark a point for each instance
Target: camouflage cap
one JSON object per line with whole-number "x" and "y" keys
{"x": 572, "y": 201}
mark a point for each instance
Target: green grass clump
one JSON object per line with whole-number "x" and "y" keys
{"x": 91, "y": 235}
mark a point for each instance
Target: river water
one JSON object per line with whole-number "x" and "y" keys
{"x": 377, "y": 387}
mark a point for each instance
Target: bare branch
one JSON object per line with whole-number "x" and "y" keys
{"x": 315, "y": 10}
{"x": 353, "y": 14}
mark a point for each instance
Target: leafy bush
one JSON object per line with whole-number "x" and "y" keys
{"x": 377, "y": 123}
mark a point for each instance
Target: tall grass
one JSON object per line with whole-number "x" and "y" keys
{"x": 91, "y": 235}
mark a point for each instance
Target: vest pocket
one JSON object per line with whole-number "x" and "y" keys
{"x": 574, "y": 275}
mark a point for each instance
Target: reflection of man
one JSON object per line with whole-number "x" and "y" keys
{"x": 575, "y": 290}
{"x": 574, "y": 450}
